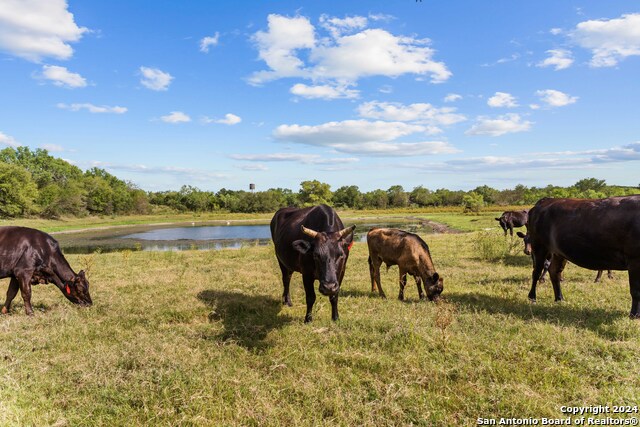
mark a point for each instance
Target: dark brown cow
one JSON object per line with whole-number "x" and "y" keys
{"x": 32, "y": 257}
{"x": 314, "y": 242}
{"x": 410, "y": 253}
{"x": 598, "y": 234}
{"x": 547, "y": 263}
{"x": 510, "y": 219}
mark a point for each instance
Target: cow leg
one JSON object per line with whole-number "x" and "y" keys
{"x": 374, "y": 272}
{"x": 634, "y": 287}
{"x": 334, "y": 307}
{"x": 419, "y": 286}
{"x": 609, "y": 274}
{"x": 598, "y": 276}
{"x": 310, "y": 294}
{"x": 24, "y": 279}
{"x": 403, "y": 283}
{"x": 510, "y": 230}
{"x": 538, "y": 265}
{"x": 12, "y": 291}
{"x": 286, "y": 280}
{"x": 545, "y": 269}
{"x": 555, "y": 272}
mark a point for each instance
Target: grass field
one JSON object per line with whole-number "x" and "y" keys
{"x": 201, "y": 338}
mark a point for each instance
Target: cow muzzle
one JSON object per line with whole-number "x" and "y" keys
{"x": 329, "y": 289}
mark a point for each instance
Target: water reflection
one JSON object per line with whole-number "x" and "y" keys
{"x": 209, "y": 237}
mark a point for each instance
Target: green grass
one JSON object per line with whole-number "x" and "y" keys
{"x": 201, "y": 338}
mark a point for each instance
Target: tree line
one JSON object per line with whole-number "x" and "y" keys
{"x": 34, "y": 183}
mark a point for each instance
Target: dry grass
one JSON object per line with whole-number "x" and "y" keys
{"x": 200, "y": 338}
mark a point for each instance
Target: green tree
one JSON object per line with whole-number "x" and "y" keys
{"x": 590, "y": 184}
{"x": 18, "y": 191}
{"x": 420, "y": 196}
{"x": 376, "y": 199}
{"x": 348, "y": 196}
{"x": 472, "y": 202}
{"x": 398, "y": 198}
{"x": 314, "y": 193}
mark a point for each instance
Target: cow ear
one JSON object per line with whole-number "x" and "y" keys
{"x": 497, "y": 219}
{"x": 301, "y": 246}
{"x": 81, "y": 274}
{"x": 520, "y": 234}
{"x": 435, "y": 277}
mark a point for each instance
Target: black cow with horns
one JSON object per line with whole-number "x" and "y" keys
{"x": 313, "y": 242}
{"x": 32, "y": 257}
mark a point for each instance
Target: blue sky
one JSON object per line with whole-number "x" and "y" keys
{"x": 373, "y": 93}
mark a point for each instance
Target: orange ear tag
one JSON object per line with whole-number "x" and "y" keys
{"x": 350, "y": 245}
{"x": 68, "y": 290}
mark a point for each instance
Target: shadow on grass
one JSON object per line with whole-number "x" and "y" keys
{"x": 356, "y": 293}
{"x": 518, "y": 261}
{"x": 592, "y": 318}
{"x": 247, "y": 319}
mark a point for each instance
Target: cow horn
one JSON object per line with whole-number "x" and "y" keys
{"x": 346, "y": 231}
{"x": 309, "y": 232}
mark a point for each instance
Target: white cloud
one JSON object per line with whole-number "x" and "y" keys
{"x": 556, "y": 31}
{"x": 36, "y": 29}
{"x": 340, "y": 58}
{"x": 398, "y": 149}
{"x": 229, "y": 119}
{"x": 610, "y": 40}
{"x": 324, "y": 91}
{"x": 501, "y": 125}
{"x": 586, "y": 159}
{"x": 278, "y": 45}
{"x": 62, "y": 77}
{"x": 370, "y": 138}
{"x": 93, "y": 108}
{"x": 337, "y": 26}
{"x": 502, "y": 100}
{"x": 348, "y": 131}
{"x": 176, "y": 117}
{"x": 8, "y": 140}
{"x": 560, "y": 59}
{"x": 315, "y": 159}
{"x": 182, "y": 173}
{"x": 155, "y": 79}
{"x": 52, "y": 148}
{"x": 208, "y": 41}
{"x": 419, "y": 113}
{"x": 555, "y": 98}
{"x": 452, "y": 97}
{"x": 254, "y": 167}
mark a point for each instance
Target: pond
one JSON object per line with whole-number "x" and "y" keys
{"x": 191, "y": 236}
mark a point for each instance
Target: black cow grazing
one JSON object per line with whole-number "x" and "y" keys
{"x": 598, "y": 234}
{"x": 547, "y": 262}
{"x": 32, "y": 257}
{"x": 410, "y": 253}
{"x": 314, "y": 242}
{"x": 510, "y": 219}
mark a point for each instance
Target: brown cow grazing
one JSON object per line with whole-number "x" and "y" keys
{"x": 314, "y": 242}
{"x": 32, "y": 257}
{"x": 410, "y": 253}
{"x": 598, "y": 234}
{"x": 547, "y": 263}
{"x": 510, "y": 219}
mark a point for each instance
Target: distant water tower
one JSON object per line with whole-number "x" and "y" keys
{"x": 252, "y": 187}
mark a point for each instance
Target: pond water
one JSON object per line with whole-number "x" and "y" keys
{"x": 185, "y": 237}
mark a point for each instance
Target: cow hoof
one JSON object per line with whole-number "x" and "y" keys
{"x": 308, "y": 319}
{"x": 633, "y": 315}
{"x": 532, "y": 300}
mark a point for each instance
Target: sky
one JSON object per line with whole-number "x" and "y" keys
{"x": 443, "y": 94}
